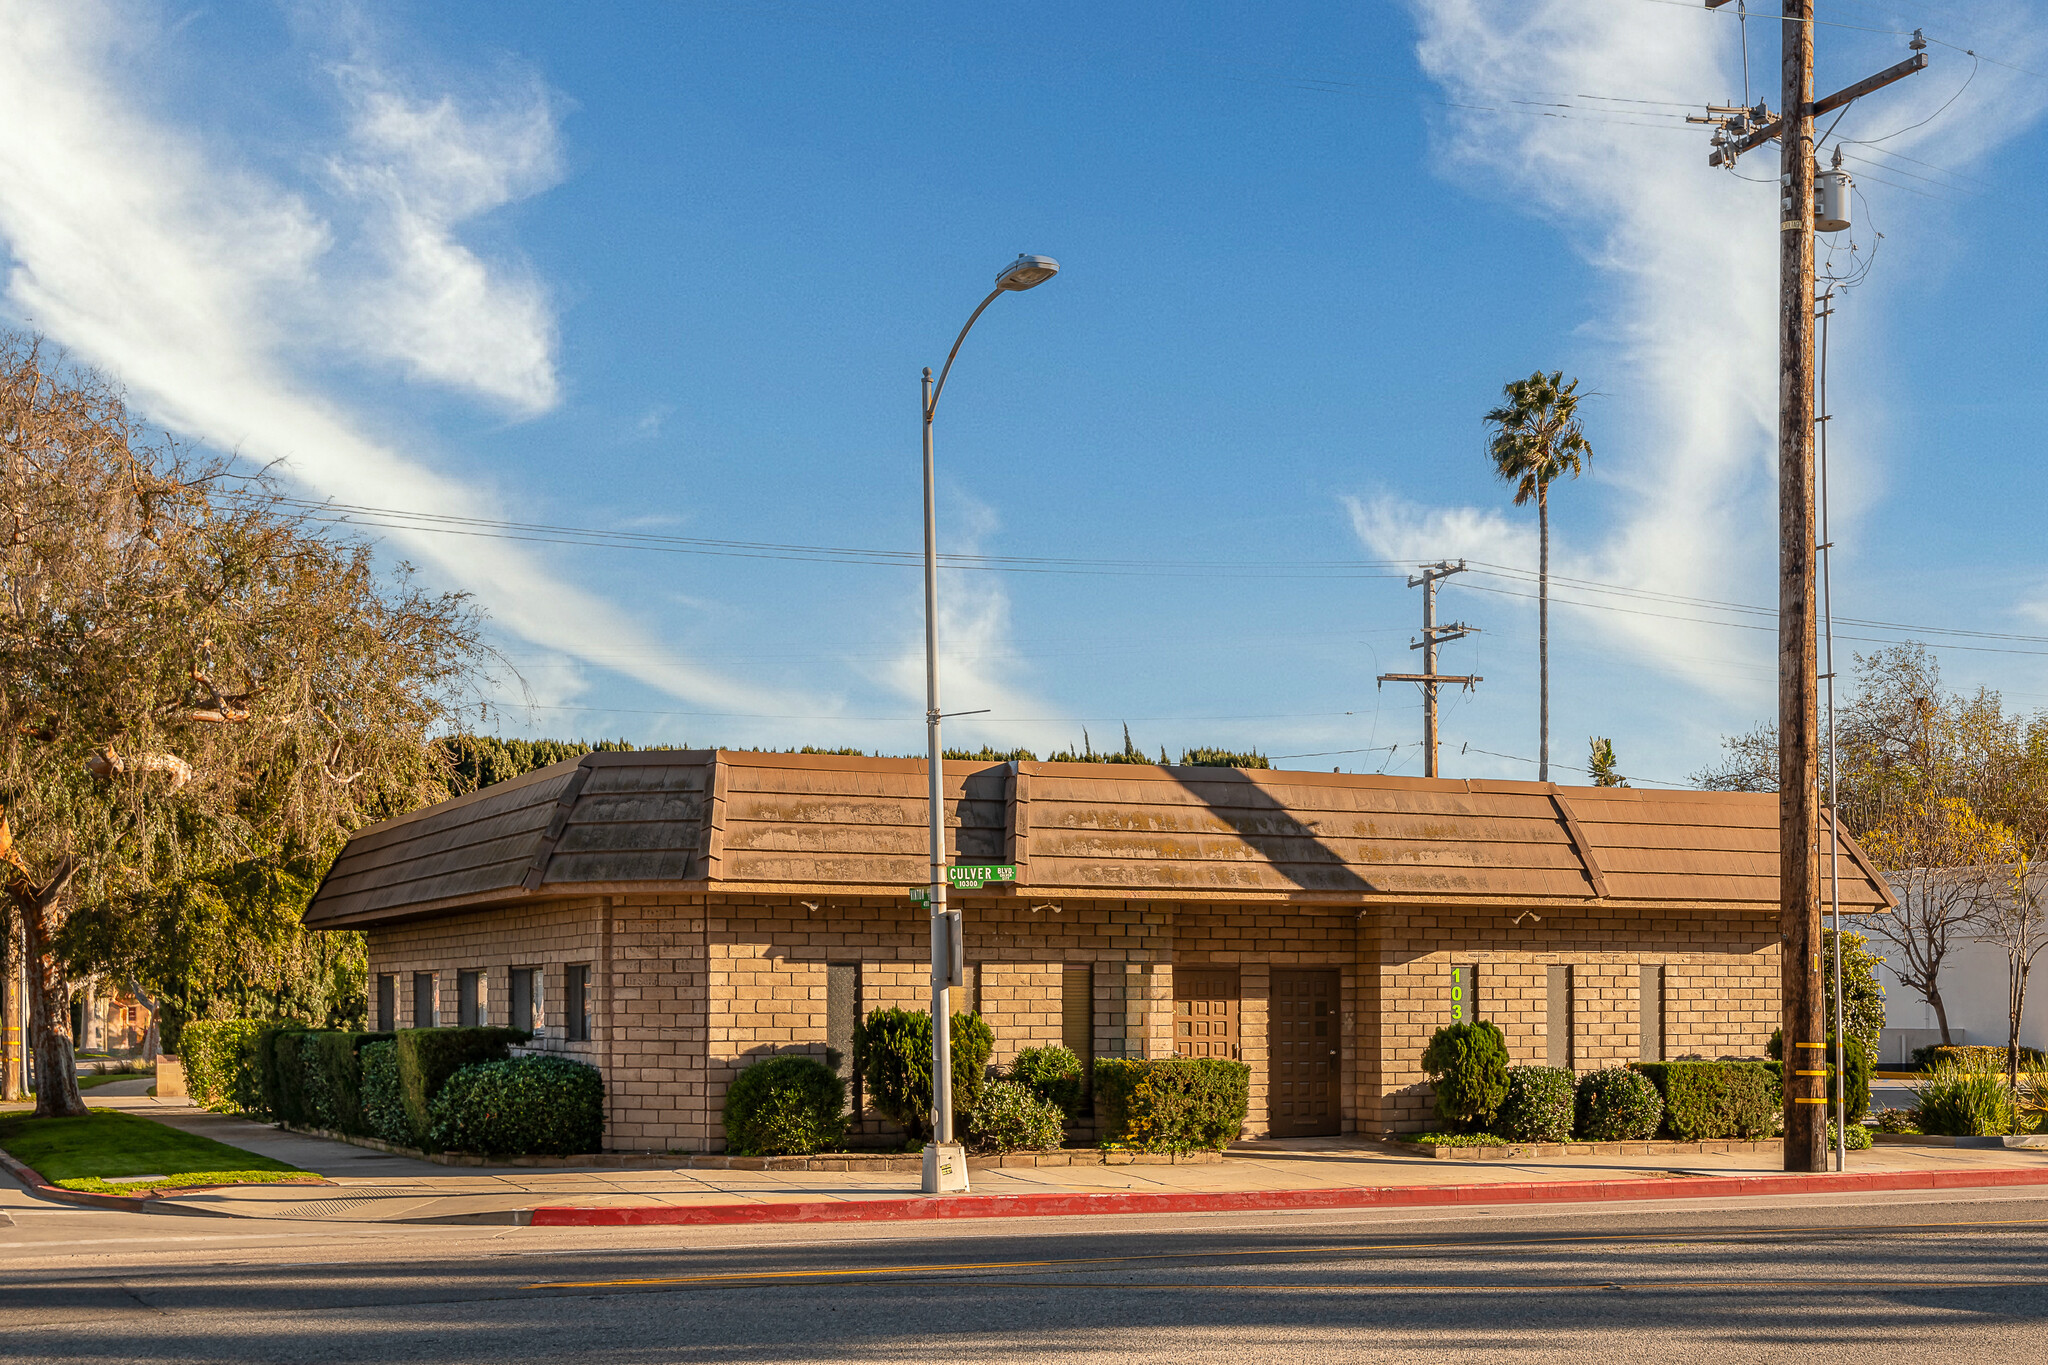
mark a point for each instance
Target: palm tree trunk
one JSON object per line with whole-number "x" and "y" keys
{"x": 1543, "y": 632}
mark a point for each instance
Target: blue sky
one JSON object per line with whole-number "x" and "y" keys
{"x": 672, "y": 271}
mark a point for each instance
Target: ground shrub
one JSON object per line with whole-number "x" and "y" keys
{"x": 1925, "y": 1057}
{"x": 1177, "y": 1104}
{"x": 1859, "y": 1136}
{"x": 333, "y": 1082}
{"x": 1896, "y": 1121}
{"x": 892, "y": 1051}
{"x": 1964, "y": 1097}
{"x": 1538, "y": 1107}
{"x": 1856, "y": 1063}
{"x": 521, "y": 1106}
{"x": 1458, "y": 1139}
{"x": 1709, "y": 1100}
{"x": 384, "y": 1113}
{"x": 1617, "y": 1105}
{"x": 427, "y": 1057}
{"x": 1055, "y": 1075}
{"x": 785, "y": 1106}
{"x": 1468, "y": 1066}
{"x": 1011, "y": 1117}
{"x": 219, "y": 1057}
{"x": 2031, "y": 1103}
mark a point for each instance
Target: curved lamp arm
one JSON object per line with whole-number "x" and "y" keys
{"x": 940, "y": 387}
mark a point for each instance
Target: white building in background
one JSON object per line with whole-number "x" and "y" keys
{"x": 1973, "y": 993}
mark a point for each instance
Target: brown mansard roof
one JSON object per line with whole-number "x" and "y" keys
{"x": 698, "y": 819}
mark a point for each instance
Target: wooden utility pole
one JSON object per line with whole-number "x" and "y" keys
{"x": 1798, "y": 689}
{"x": 1433, "y": 635}
{"x": 1740, "y": 130}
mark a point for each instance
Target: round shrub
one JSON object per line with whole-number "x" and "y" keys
{"x": 1965, "y": 1097}
{"x": 1011, "y": 1118}
{"x": 1468, "y": 1065}
{"x": 785, "y": 1106}
{"x": 1054, "y": 1074}
{"x": 1859, "y": 1136}
{"x": 1538, "y": 1107}
{"x": 520, "y": 1106}
{"x": 892, "y": 1050}
{"x": 1617, "y": 1105}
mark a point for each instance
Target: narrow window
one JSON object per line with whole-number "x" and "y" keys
{"x": 1560, "y": 1016}
{"x": 521, "y": 1015}
{"x": 387, "y": 1003}
{"x": 842, "y": 1015}
{"x": 578, "y": 1003}
{"x": 1650, "y": 1011}
{"x": 1077, "y": 1018}
{"x": 1465, "y": 992}
{"x": 423, "y": 1000}
{"x": 468, "y": 999}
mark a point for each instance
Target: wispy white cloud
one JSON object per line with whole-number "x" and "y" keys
{"x": 1684, "y": 342}
{"x": 195, "y": 281}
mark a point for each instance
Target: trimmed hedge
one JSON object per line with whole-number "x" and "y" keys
{"x": 785, "y": 1106}
{"x": 1538, "y": 1107}
{"x": 1179, "y": 1104}
{"x": 1468, "y": 1067}
{"x": 1617, "y": 1105}
{"x": 384, "y": 1113}
{"x": 1710, "y": 1100}
{"x": 1856, "y": 1062}
{"x": 892, "y": 1051}
{"x": 1011, "y": 1117}
{"x": 220, "y": 1063}
{"x": 282, "y": 1072}
{"x": 333, "y": 1084}
{"x": 518, "y": 1106}
{"x": 1055, "y": 1075}
{"x": 2031, "y": 1058}
{"x": 427, "y": 1057}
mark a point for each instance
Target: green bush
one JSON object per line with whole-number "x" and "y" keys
{"x": 333, "y": 1084}
{"x": 2031, "y": 1058}
{"x": 1965, "y": 1097}
{"x": 520, "y": 1106}
{"x": 892, "y": 1051}
{"x": 1896, "y": 1121}
{"x": 427, "y": 1057}
{"x": 1617, "y": 1105}
{"x": 384, "y": 1113}
{"x": 785, "y": 1106}
{"x": 279, "y": 1083}
{"x": 1179, "y": 1104}
{"x": 1859, "y": 1137}
{"x": 1011, "y": 1117}
{"x": 219, "y": 1056}
{"x": 1055, "y": 1075}
{"x": 1856, "y": 1062}
{"x": 1709, "y": 1100}
{"x": 1468, "y": 1065}
{"x": 1538, "y": 1107}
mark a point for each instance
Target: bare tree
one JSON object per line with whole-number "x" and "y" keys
{"x": 1949, "y": 868}
{"x": 192, "y": 674}
{"x": 2017, "y": 922}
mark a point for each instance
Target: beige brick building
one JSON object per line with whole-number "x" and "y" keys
{"x": 673, "y": 916}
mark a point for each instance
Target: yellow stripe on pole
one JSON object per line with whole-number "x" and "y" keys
{"x": 1801, "y": 1099}
{"x": 1817, "y": 1047}
{"x": 1809, "y": 1073}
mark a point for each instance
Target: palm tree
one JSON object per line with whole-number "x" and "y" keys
{"x": 1537, "y": 439}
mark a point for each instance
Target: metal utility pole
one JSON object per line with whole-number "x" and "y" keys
{"x": 1800, "y": 992}
{"x": 1432, "y": 636}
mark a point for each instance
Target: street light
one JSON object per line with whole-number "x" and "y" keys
{"x": 948, "y": 1170}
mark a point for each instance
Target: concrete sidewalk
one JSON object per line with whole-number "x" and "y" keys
{"x": 368, "y": 1186}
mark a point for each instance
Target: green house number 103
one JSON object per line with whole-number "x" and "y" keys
{"x": 1464, "y": 1000}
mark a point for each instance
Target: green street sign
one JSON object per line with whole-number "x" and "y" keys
{"x": 970, "y": 878}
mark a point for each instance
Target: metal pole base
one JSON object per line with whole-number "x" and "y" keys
{"x": 945, "y": 1169}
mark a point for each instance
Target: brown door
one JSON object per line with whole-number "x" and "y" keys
{"x": 1205, "y": 1012}
{"x": 1302, "y": 1096}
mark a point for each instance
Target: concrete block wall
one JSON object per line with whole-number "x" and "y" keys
{"x": 1720, "y": 991}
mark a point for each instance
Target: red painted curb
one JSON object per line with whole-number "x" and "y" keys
{"x": 1253, "y": 1201}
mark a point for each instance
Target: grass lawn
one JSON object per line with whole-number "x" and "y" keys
{"x": 81, "y": 1154}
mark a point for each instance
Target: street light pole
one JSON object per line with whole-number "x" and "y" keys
{"x": 945, "y": 1168}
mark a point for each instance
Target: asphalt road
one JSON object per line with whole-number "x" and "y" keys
{"x": 1934, "y": 1276}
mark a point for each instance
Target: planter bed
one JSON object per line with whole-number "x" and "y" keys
{"x": 1517, "y": 1151}
{"x": 823, "y": 1161}
{"x": 2034, "y": 1141}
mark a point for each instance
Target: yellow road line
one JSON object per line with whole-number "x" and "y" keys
{"x": 1506, "y": 1243}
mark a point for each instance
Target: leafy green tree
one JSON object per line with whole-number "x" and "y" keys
{"x": 1862, "y": 992}
{"x": 1468, "y": 1066}
{"x": 1537, "y": 440}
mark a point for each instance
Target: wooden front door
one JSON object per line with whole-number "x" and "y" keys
{"x": 1205, "y": 1012}
{"x": 1302, "y": 1095}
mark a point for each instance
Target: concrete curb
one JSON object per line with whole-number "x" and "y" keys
{"x": 34, "y": 1183}
{"x": 1256, "y": 1201}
